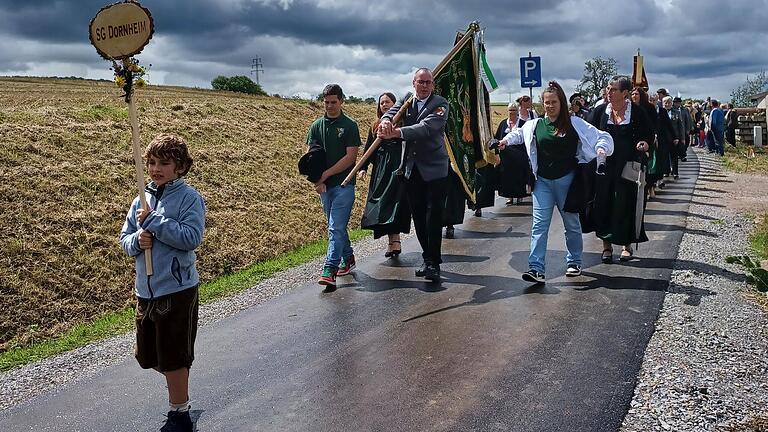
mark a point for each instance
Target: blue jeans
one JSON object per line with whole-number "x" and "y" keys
{"x": 548, "y": 194}
{"x": 710, "y": 142}
{"x": 337, "y": 205}
{"x": 718, "y": 139}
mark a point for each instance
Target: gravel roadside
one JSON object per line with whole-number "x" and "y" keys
{"x": 706, "y": 365}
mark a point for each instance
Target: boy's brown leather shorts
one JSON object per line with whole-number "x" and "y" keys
{"x": 165, "y": 331}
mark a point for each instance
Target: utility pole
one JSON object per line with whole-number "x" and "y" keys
{"x": 257, "y": 67}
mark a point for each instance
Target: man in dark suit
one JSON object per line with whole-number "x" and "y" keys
{"x": 426, "y": 165}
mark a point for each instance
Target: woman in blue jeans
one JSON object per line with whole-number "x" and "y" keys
{"x": 556, "y": 144}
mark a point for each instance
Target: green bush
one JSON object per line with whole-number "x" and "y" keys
{"x": 240, "y": 84}
{"x": 755, "y": 274}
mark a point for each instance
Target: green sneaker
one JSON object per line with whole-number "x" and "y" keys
{"x": 328, "y": 277}
{"x": 346, "y": 266}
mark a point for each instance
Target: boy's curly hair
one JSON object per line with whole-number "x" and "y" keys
{"x": 171, "y": 147}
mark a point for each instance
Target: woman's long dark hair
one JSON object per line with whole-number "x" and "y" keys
{"x": 644, "y": 101}
{"x": 391, "y": 97}
{"x": 563, "y": 122}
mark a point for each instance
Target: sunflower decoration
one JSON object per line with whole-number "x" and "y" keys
{"x": 129, "y": 75}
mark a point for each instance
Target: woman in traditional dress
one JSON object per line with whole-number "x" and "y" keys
{"x": 386, "y": 209}
{"x": 614, "y": 213}
{"x": 555, "y": 145}
{"x": 640, "y": 97}
{"x": 514, "y": 172}
{"x": 659, "y": 166}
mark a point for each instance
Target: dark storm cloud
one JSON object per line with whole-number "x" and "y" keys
{"x": 301, "y": 40}
{"x": 420, "y": 25}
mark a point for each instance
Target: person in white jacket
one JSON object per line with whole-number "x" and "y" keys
{"x": 556, "y": 144}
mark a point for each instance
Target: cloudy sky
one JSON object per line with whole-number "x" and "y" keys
{"x": 698, "y": 48}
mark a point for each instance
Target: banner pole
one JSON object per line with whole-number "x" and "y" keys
{"x": 440, "y": 66}
{"x": 139, "y": 164}
{"x": 376, "y": 143}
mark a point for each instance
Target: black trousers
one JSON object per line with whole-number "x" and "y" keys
{"x": 427, "y": 200}
{"x": 674, "y": 156}
{"x": 684, "y": 146}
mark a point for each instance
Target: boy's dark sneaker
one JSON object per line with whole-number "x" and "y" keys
{"x": 573, "y": 270}
{"x": 346, "y": 266}
{"x": 178, "y": 422}
{"x": 533, "y": 276}
{"x": 328, "y": 277}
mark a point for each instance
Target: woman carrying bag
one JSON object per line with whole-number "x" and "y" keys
{"x": 615, "y": 214}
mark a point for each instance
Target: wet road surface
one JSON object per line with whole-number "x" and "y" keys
{"x": 481, "y": 351}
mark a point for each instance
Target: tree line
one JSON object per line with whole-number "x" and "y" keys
{"x": 597, "y": 72}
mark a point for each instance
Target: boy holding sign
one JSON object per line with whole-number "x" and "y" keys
{"x": 167, "y": 301}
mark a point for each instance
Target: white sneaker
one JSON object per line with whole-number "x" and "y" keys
{"x": 573, "y": 270}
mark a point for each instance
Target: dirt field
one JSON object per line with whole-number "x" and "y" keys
{"x": 748, "y": 193}
{"x": 67, "y": 180}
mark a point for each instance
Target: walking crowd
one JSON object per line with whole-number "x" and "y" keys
{"x": 598, "y": 166}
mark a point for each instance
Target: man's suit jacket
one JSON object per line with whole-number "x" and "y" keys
{"x": 424, "y": 134}
{"x": 678, "y": 125}
{"x": 687, "y": 120}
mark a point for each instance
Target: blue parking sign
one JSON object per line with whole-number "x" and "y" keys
{"x": 530, "y": 72}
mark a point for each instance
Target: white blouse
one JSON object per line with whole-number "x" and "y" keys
{"x": 627, "y": 113}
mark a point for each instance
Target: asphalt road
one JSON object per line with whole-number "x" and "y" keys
{"x": 481, "y": 351}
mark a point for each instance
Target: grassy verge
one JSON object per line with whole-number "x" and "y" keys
{"x": 737, "y": 159}
{"x": 759, "y": 237}
{"x": 747, "y": 160}
{"x": 119, "y": 322}
{"x": 759, "y": 242}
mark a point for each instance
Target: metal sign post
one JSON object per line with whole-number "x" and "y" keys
{"x": 530, "y": 72}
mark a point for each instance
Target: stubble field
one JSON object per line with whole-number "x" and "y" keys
{"x": 67, "y": 180}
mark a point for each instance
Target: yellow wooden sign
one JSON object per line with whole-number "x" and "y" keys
{"x": 121, "y": 30}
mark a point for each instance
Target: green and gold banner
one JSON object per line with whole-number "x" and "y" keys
{"x": 468, "y": 129}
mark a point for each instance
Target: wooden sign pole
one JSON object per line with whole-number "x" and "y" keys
{"x": 139, "y": 162}
{"x": 119, "y": 31}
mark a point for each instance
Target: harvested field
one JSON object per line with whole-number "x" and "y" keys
{"x": 67, "y": 180}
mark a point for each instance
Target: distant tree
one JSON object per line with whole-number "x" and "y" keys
{"x": 741, "y": 94}
{"x": 597, "y": 72}
{"x": 277, "y": 95}
{"x": 240, "y": 84}
{"x": 354, "y": 99}
{"x": 220, "y": 83}
{"x": 370, "y": 100}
